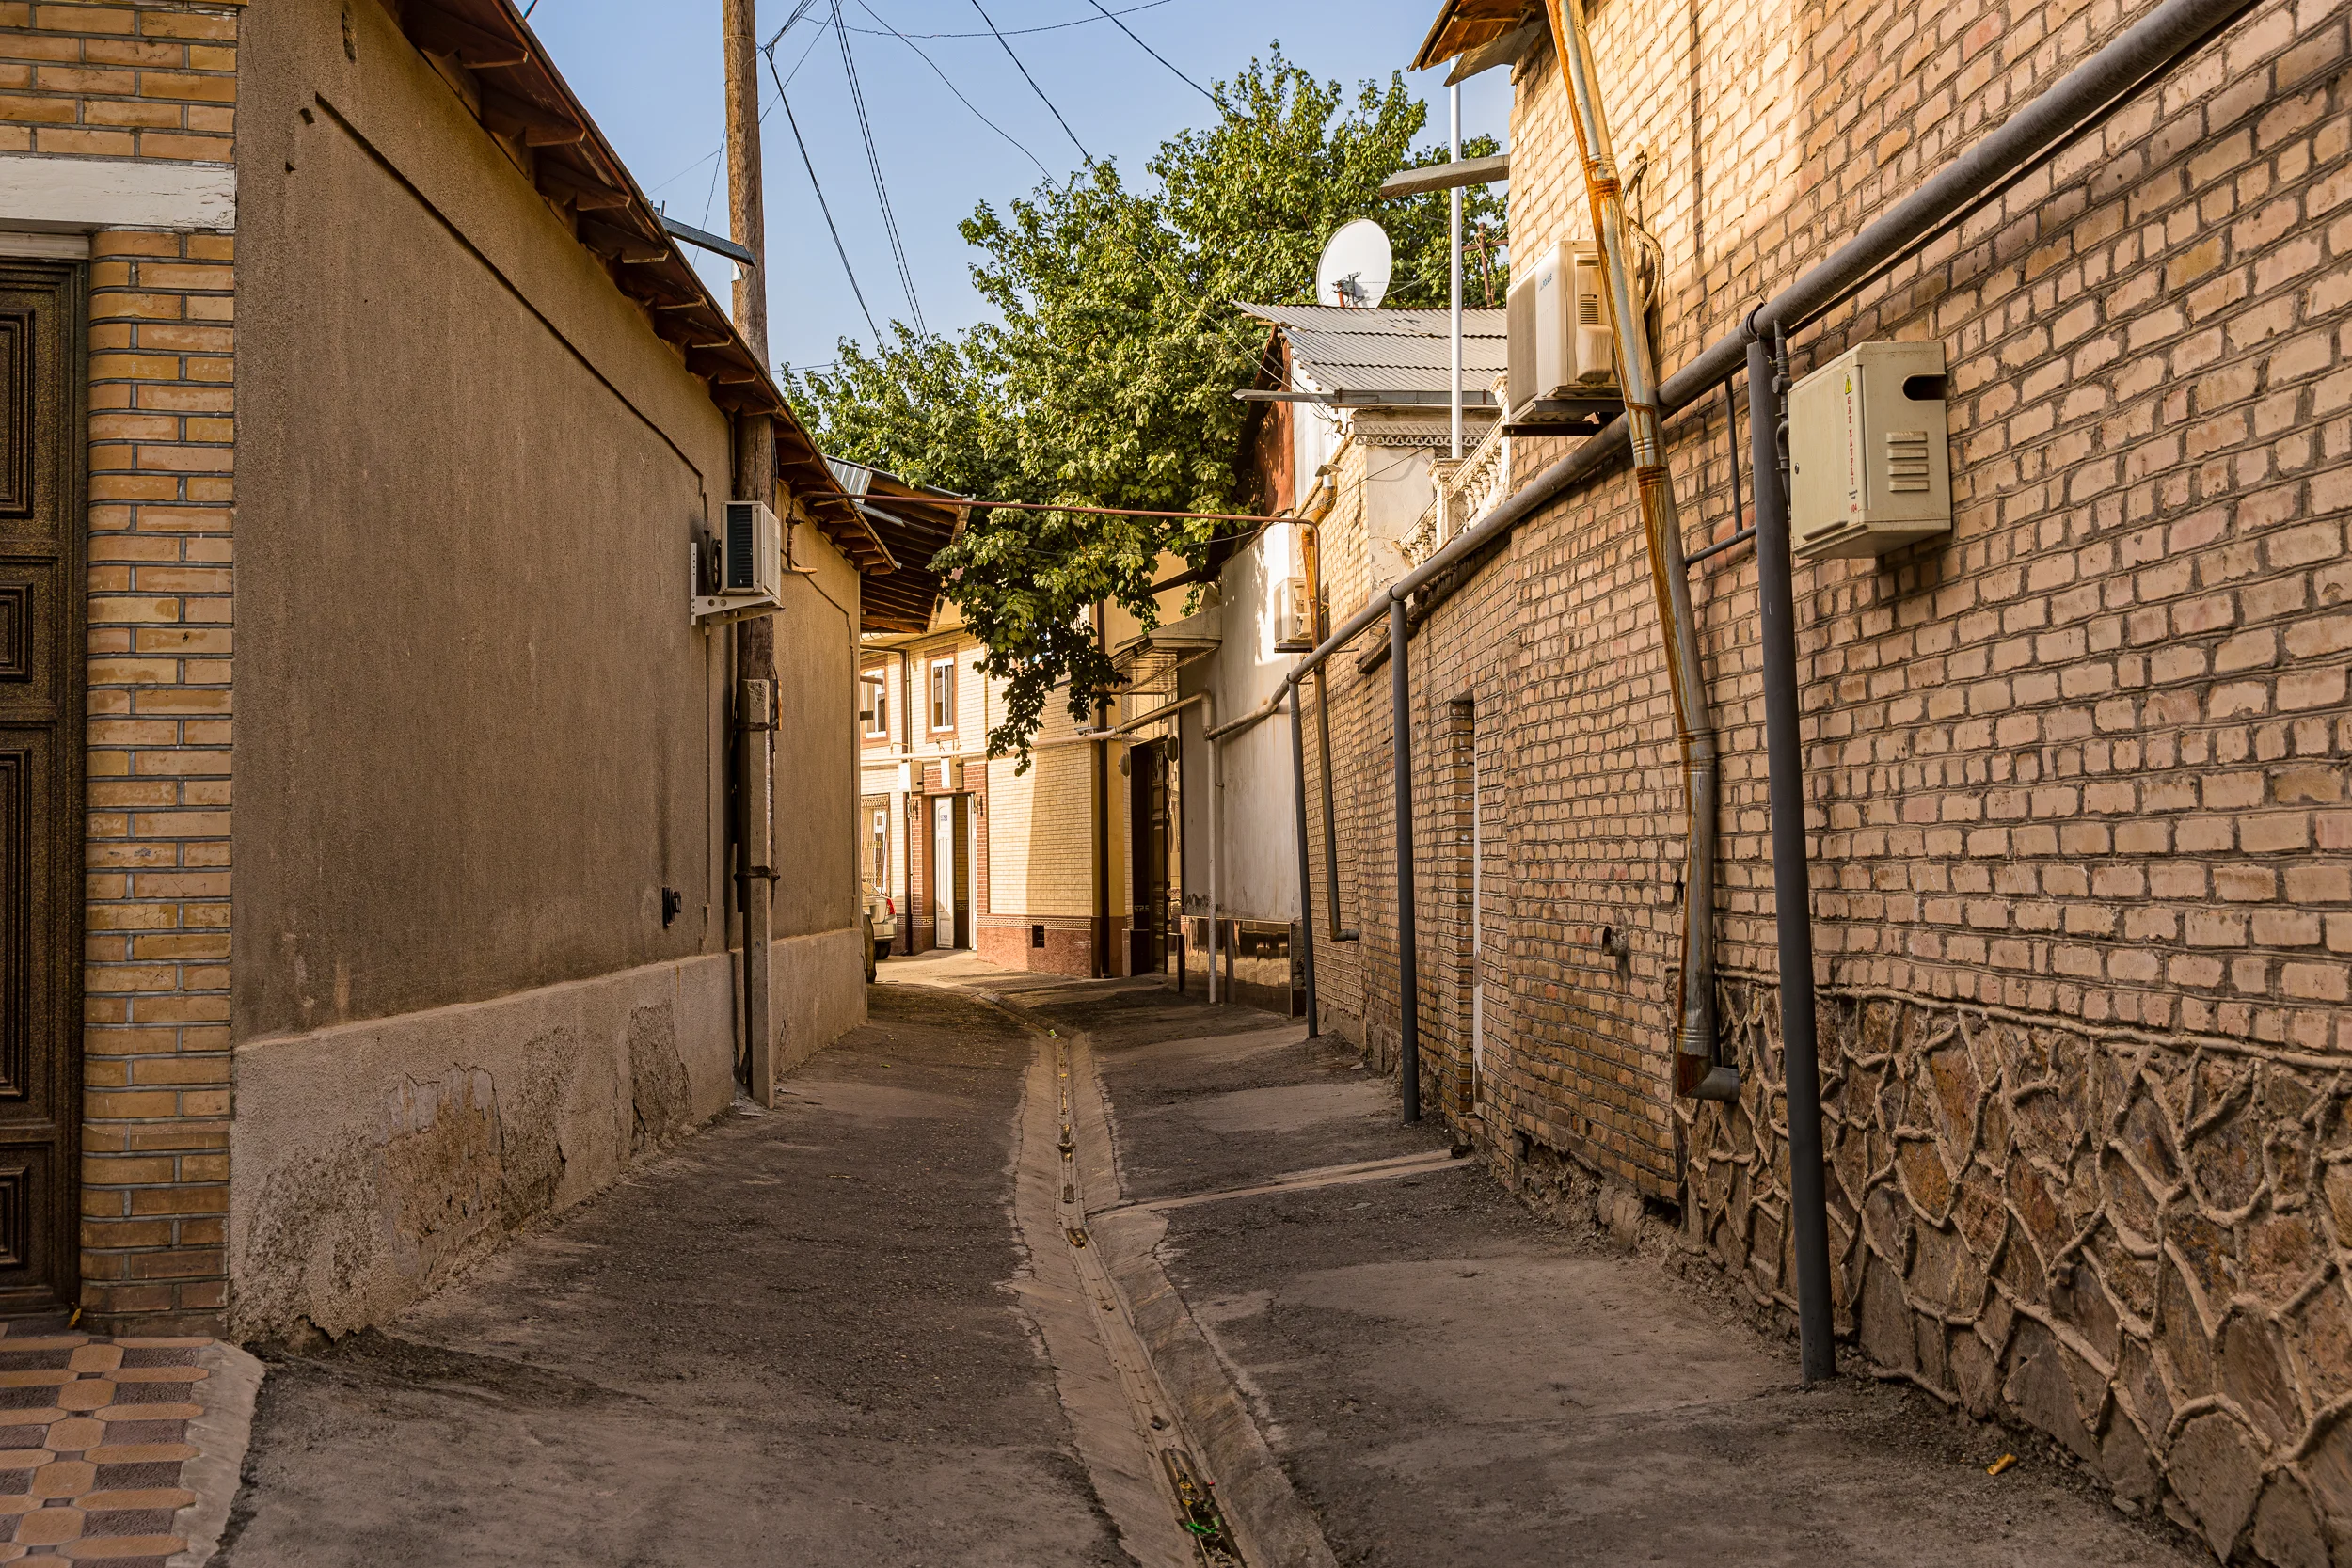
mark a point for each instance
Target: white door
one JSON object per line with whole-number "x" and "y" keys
{"x": 942, "y": 872}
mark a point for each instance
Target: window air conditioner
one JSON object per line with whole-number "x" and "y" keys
{"x": 749, "y": 573}
{"x": 1558, "y": 322}
{"x": 1294, "y": 617}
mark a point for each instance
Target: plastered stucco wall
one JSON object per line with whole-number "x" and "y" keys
{"x": 1257, "y": 833}
{"x": 478, "y": 731}
{"x": 478, "y": 735}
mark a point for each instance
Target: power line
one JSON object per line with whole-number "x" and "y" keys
{"x": 953, "y": 87}
{"x": 1154, "y": 53}
{"x": 1025, "y": 32}
{"x": 1032, "y": 80}
{"x": 822, "y": 206}
{"x": 959, "y": 91}
{"x": 873, "y": 163}
{"x": 789, "y": 77}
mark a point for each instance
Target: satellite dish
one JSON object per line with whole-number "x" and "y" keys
{"x": 1355, "y": 267}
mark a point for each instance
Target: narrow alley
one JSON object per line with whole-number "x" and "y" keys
{"x": 847, "y": 1331}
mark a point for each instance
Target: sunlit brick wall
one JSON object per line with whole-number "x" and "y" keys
{"x": 2078, "y": 774}
{"x": 152, "y": 82}
{"x": 145, "y": 81}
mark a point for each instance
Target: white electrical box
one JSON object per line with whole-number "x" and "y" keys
{"x": 1870, "y": 466}
{"x": 750, "y": 576}
{"x": 1558, "y": 322}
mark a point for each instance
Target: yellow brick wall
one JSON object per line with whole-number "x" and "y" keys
{"x": 121, "y": 81}
{"x": 152, "y": 82}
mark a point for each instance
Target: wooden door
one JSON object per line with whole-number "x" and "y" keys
{"x": 1148, "y": 836}
{"x": 42, "y": 618}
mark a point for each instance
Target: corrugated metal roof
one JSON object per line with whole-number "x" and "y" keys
{"x": 1361, "y": 351}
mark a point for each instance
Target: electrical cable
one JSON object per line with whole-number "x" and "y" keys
{"x": 822, "y": 206}
{"x": 885, "y": 30}
{"x": 958, "y": 91}
{"x": 1154, "y": 53}
{"x": 1066, "y": 131}
{"x": 873, "y": 163}
{"x": 789, "y": 77}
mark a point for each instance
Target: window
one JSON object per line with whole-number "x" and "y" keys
{"x": 877, "y": 708}
{"x": 882, "y": 847}
{"x": 943, "y": 694}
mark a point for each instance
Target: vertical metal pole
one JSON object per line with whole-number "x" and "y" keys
{"x": 1306, "y": 868}
{"x": 1407, "y": 963}
{"x": 756, "y": 717}
{"x": 1453, "y": 271}
{"x": 1800, "y": 1051}
{"x": 1216, "y": 853}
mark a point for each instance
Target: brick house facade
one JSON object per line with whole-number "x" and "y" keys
{"x": 2077, "y": 773}
{"x": 310, "y": 1093}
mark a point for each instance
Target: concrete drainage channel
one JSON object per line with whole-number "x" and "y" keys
{"x": 1164, "y": 1437}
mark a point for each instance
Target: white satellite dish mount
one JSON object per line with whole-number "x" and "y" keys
{"x": 1355, "y": 267}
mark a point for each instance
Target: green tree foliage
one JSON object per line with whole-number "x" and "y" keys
{"x": 1108, "y": 378}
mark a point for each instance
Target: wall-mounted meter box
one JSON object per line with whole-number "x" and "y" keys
{"x": 1870, "y": 468}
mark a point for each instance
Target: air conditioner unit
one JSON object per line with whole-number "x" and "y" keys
{"x": 1558, "y": 322}
{"x": 749, "y": 575}
{"x": 1293, "y": 617}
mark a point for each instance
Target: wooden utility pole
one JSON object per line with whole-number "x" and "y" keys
{"x": 755, "y": 639}
{"x": 746, "y": 217}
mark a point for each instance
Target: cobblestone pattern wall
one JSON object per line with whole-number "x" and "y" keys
{"x": 2077, "y": 773}
{"x": 2136, "y": 1242}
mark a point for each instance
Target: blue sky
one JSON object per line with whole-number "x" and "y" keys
{"x": 655, "y": 89}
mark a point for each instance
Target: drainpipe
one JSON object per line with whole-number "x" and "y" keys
{"x": 1311, "y": 534}
{"x": 1697, "y": 1073}
{"x": 1305, "y": 871}
{"x": 1102, "y": 823}
{"x": 1217, "y": 814}
{"x": 1218, "y": 735}
{"x": 1407, "y": 961}
{"x": 2138, "y": 56}
{"x": 1800, "y": 1053}
{"x": 906, "y": 815}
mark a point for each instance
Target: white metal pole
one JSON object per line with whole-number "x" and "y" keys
{"x": 1454, "y": 269}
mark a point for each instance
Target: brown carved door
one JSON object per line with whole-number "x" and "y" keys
{"x": 43, "y": 621}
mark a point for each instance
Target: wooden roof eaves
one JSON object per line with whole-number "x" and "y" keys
{"x": 531, "y": 98}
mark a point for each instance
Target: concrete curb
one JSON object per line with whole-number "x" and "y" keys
{"x": 219, "y": 1435}
{"x": 1270, "y": 1523}
{"x": 1273, "y": 1525}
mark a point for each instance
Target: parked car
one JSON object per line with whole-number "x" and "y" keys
{"x": 881, "y": 927}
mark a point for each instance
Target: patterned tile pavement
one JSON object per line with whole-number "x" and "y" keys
{"x": 93, "y": 1434}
